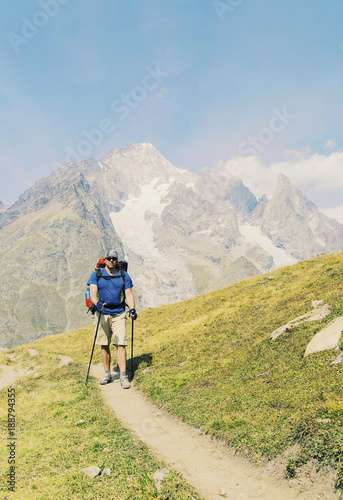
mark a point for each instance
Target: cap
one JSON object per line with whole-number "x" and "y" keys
{"x": 111, "y": 253}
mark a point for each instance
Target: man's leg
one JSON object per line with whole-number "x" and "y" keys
{"x": 121, "y": 358}
{"x": 120, "y": 341}
{"x": 106, "y": 361}
{"x": 104, "y": 340}
{"x": 106, "y": 357}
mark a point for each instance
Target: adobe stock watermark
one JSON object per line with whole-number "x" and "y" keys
{"x": 30, "y": 27}
{"x": 122, "y": 107}
{"x": 233, "y": 168}
{"x": 277, "y": 124}
{"x": 223, "y": 6}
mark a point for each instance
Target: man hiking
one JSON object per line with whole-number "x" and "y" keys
{"x": 114, "y": 287}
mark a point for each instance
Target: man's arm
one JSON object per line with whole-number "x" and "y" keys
{"x": 93, "y": 289}
{"x": 130, "y": 300}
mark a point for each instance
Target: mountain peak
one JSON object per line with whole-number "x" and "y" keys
{"x": 283, "y": 181}
{"x": 139, "y": 150}
{"x": 290, "y": 214}
{"x": 286, "y": 189}
{"x": 141, "y": 146}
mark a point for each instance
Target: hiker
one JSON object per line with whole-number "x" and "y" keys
{"x": 113, "y": 293}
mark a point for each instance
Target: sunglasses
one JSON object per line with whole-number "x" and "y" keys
{"x": 111, "y": 258}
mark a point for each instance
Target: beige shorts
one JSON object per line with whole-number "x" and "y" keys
{"x": 111, "y": 324}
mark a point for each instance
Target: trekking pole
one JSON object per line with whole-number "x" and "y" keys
{"x": 96, "y": 333}
{"x": 131, "y": 364}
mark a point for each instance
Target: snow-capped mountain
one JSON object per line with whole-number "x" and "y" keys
{"x": 183, "y": 234}
{"x": 294, "y": 223}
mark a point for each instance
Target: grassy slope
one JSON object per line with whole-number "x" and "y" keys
{"x": 209, "y": 361}
{"x": 53, "y": 446}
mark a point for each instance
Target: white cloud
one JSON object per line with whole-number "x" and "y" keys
{"x": 251, "y": 170}
{"x": 330, "y": 144}
{"x": 320, "y": 172}
{"x": 334, "y": 213}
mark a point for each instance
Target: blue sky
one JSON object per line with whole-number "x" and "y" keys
{"x": 205, "y": 82}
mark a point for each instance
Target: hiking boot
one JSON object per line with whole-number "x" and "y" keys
{"x": 125, "y": 382}
{"x": 106, "y": 379}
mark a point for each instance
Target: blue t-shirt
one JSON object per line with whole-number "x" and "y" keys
{"x": 111, "y": 289}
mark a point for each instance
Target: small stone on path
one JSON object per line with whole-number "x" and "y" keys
{"x": 32, "y": 352}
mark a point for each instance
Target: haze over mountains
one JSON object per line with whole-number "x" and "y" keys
{"x": 183, "y": 233}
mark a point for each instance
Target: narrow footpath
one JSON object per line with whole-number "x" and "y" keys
{"x": 209, "y": 466}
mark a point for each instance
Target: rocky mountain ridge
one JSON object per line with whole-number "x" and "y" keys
{"x": 183, "y": 233}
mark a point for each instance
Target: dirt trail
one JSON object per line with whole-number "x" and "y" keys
{"x": 11, "y": 374}
{"x": 8, "y": 375}
{"x": 210, "y": 467}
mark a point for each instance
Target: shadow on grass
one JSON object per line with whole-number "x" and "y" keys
{"x": 136, "y": 361}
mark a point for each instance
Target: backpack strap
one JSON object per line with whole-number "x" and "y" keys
{"x": 122, "y": 274}
{"x": 99, "y": 274}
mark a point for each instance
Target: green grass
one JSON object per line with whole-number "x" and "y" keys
{"x": 52, "y": 448}
{"x": 210, "y": 362}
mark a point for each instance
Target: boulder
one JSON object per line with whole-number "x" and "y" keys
{"x": 317, "y": 314}
{"x": 328, "y": 338}
{"x": 338, "y": 360}
{"x": 91, "y": 471}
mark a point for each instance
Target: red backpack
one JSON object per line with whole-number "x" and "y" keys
{"x": 122, "y": 266}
